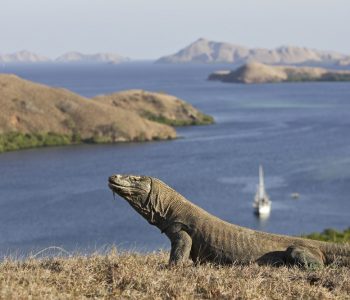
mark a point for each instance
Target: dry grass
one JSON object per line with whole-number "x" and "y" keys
{"x": 137, "y": 276}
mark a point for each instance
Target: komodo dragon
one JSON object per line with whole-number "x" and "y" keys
{"x": 196, "y": 234}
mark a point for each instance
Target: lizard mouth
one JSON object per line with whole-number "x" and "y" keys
{"x": 120, "y": 187}
{"x": 117, "y": 187}
{"x": 127, "y": 186}
{"x": 113, "y": 184}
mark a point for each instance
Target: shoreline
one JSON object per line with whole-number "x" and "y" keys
{"x": 15, "y": 141}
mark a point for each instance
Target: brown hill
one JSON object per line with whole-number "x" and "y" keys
{"x": 34, "y": 108}
{"x": 37, "y": 115}
{"x": 157, "y": 107}
{"x": 261, "y": 73}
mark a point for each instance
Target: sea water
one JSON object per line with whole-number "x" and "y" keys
{"x": 299, "y": 132}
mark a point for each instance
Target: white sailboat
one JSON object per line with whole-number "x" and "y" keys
{"x": 262, "y": 203}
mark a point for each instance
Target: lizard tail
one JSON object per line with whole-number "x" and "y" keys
{"x": 338, "y": 254}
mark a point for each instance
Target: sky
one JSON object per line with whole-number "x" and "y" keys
{"x": 148, "y": 29}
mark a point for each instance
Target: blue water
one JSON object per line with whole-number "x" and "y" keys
{"x": 299, "y": 132}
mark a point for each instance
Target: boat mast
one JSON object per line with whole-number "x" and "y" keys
{"x": 261, "y": 183}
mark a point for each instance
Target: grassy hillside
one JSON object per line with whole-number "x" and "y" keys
{"x": 34, "y": 115}
{"x": 136, "y": 276}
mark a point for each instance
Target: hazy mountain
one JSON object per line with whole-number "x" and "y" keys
{"x": 205, "y": 51}
{"x": 70, "y": 57}
{"x": 77, "y": 57}
{"x": 23, "y": 57}
{"x": 261, "y": 73}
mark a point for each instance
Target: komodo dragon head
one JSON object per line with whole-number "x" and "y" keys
{"x": 135, "y": 190}
{"x": 149, "y": 196}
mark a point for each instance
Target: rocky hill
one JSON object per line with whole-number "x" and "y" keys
{"x": 261, "y": 73}
{"x": 37, "y": 115}
{"x": 77, "y": 57}
{"x": 206, "y": 51}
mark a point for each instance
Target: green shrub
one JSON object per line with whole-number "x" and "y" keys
{"x": 331, "y": 235}
{"x": 98, "y": 139}
{"x": 335, "y": 77}
{"x": 206, "y": 119}
{"x": 17, "y": 140}
{"x": 54, "y": 139}
{"x": 202, "y": 119}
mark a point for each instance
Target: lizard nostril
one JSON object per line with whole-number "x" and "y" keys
{"x": 113, "y": 177}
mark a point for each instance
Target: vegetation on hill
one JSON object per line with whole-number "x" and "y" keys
{"x": 16, "y": 140}
{"x": 138, "y": 276}
{"x": 35, "y": 115}
{"x": 331, "y": 235}
{"x": 205, "y": 120}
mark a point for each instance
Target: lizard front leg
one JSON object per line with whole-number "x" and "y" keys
{"x": 181, "y": 244}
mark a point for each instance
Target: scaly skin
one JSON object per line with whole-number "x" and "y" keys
{"x": 196, "y": 234}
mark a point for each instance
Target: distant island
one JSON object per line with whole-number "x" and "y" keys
{"x": 261, "y": 73}
{"x": 206, "y": 51}
{"x": 34, "y": 115}
{"x": 201, "y": 51}
{"x": 78, "y": 57}
{"x": 25, "y": 56}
